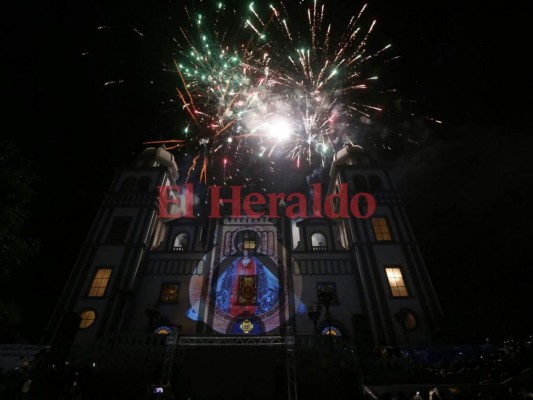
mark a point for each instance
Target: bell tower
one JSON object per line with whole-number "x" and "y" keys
{"x": 398, "y": 301}
{"x": 108, "y": 268}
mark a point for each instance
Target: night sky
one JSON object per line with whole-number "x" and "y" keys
{"x": 466, "y": 182}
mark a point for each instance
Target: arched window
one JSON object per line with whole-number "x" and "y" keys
{"x": 375, "y": 183}
{"x": 181, "y": 243}
{"x": 331, "y": 330}
{"x": 318, "y": 242}
{"x": 359, "y": 183}
{"x": 87, "y": 318}
{"x": 246, "y": 240}
{"x": 143, "y": 184}
{"x": 163, "y": 330}
{"x": 128, "y": 184}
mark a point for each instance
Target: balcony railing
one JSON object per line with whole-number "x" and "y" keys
{"x": 320, "y": 248}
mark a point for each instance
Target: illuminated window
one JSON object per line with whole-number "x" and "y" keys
{"x": 163, "y": 330}
{"x": 318, "y": 242}
{"x": 381, "y": 229}
{"x": 249, "y": 244}
{"x": 100, "y": 282}
{"x": 169, "y": 293}
{"x": 181, "y": 243}
{"x": 331, "y": 330}
{"x": 247, "y": 240}
{"x": 87, "y": 318}
{"x": 396, "y": 282}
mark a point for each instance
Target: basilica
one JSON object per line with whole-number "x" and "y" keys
{"x": 265, "y": 304}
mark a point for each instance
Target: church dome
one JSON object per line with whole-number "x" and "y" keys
{"x": 349, "y": 150}
{"x": 156, "y": 156}
{"x": 350, "y": 154}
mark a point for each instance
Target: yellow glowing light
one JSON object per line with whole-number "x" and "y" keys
{"x": 279, "y": 129}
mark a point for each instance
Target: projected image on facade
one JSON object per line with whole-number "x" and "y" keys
{"x": 247, "y": 290}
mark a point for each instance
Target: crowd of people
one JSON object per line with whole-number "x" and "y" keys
{"x": 482, "y": 372}
{"x": 41, "y": 379}
{"x": 507, "y": 367}
{"x": 491, "y": 364}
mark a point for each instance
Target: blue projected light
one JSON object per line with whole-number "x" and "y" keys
{"x": 243, "y": 294}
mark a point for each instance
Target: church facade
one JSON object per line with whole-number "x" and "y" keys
{"x": 141, "y": 273}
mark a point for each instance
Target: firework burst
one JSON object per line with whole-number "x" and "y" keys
{"x": 270, "y": 81}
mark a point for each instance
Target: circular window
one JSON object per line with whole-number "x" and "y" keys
{"x": 331, "y": 330}
{"x": 410, "y": 323}
{"x": 407, "y": 319}
{"x": 87, "y": 318}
